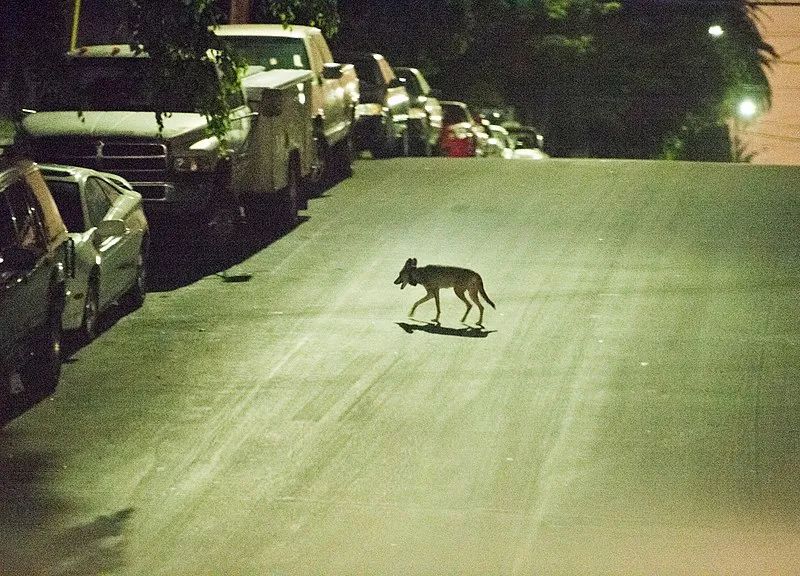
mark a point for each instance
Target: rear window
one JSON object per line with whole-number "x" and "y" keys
{"x": 368, "y": 71}
{"x": 270, "y": 52}
{"x": 454, "y": 114}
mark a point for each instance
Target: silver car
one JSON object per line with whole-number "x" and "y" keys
{"x": 105, "y": 220}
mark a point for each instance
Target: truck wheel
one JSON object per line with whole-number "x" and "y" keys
{"x": 290, "y": 198}
{"x": 42, "y": 367}
{"x": 320, "y": 167}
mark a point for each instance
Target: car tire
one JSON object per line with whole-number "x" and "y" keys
{"x": 134, "y": 298}
{"x": 91, "y": 310}
{"x": 386, "y": 144}
{"x": 342, "y": 155}
{"x": 42, "y": 368}
{"x": 403, "y": 145}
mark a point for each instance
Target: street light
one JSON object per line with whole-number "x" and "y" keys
{"x": 747, "y": 108}
{"x": 716, "y": 30}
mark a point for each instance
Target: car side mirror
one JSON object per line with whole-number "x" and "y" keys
{"x": 107, "y": 228}
{"x": 17, "y": 258}
{"x": 332, "y": 71}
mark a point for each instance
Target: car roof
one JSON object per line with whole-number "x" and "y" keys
{"x": 292, "y": 31}
{"x": 78, "y": 174}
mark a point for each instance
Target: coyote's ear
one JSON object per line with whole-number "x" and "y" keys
{"x": 413, "y": 261}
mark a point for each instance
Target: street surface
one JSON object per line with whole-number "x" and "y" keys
{"x": 631, "y": 407}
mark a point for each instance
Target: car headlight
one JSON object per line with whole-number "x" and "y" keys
{"x": 369, "y": 110}
{"x": 195, "y": 163}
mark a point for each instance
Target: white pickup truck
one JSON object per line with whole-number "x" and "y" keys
{"x": 191, "y": 188}
{"x": 334, "y": 89}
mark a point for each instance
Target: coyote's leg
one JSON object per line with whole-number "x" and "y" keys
{"x": 425, "y": 298}
{"x": 473, "y": 293}
{"x": 438, "y": 308}
{"x": 460, "y": 293}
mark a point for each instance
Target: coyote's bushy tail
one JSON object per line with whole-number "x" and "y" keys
{"x": 486, "y": 296}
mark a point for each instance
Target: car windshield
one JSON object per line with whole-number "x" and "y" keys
{"x": 454, "y": 114}
{"x": 107, "y": 85}
{"x": 270, "y": 52}
{"x": 411, "y": 83}
{"x": 524, "y": 140}
{"x": 368, "y": 70}
{"x": 68, "y": 200}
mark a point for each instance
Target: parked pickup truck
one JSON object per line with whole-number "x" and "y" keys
{"x": 189, "y": 184}
{"x": 334, "y": 90}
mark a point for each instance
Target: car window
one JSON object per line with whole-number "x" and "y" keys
{"x": 112, "y": 193}
{"x": 97, "y": 203}
{"x": 411, "y": 83}
{"x": 270, "y": 52}
{"x": 368, "y": 71}
{"x": 27, "y": 230}
{"x": 453, "y": 114}
{"x": 68, "y": 200}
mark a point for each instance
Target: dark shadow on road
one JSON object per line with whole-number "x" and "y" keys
{"x": 173, "y": 264}
{"x": 432, "y": 328}
{"x": 32, "y": 519}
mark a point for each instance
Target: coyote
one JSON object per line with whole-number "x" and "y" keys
{"x": 434, "y": 277}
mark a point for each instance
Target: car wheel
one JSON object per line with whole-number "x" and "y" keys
{"x": 91, "y": 311}
{"x": 386, "y": 144}
{"x": 342, "y": 157}
{"x": 403, "y": 144}
{"x": 134, "y": 297}
{"x": 43, "y": 365}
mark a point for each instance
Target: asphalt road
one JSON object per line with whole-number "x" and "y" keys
{"x": 631, "y": 407}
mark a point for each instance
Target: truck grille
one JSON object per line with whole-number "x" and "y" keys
{"x": 135, "y": 161}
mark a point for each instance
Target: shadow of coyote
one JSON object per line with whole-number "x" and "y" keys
{"x": 434, "y": 277}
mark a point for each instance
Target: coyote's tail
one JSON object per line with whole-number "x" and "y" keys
{"x": 486, "y": 296}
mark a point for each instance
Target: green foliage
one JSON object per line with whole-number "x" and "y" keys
{"x": 320, "y": 13}
{"x": 176, "y": 34}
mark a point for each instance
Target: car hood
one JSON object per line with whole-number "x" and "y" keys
{"x": 119, "y": 124}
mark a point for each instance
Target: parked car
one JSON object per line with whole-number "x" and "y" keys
{"x": 105, "y": 219}
{"x": 458, "y": 138}
{"x": 383, "y": 106}
{"x": 35, "y": 259}
{"x": 498, "y": 144}
{"x": 526, "y": 143}
{"x": 425, "y": 115}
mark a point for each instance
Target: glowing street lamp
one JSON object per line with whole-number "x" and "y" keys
{"x": 716, "y": 30}
{"x": 747, "y": 108}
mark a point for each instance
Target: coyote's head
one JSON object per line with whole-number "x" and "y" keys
{"x": 405, "y": 274}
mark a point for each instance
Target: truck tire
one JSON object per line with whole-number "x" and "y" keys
{"x": 290, "y": 197}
